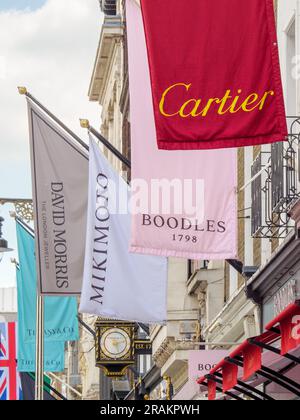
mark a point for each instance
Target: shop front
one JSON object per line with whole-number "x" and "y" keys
{"x": 267, "y": 367}
{"x": 273, "y": 305}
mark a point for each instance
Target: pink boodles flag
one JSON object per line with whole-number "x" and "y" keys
{"x": 184, "y": 202}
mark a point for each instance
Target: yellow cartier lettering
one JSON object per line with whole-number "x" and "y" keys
{"x": 224, "y": 100}
{"x": 208, "y": 106}
{"x": 250, "y": 101}
{"x": 264, "y": 98}
{"x": 232, "y": 102}
{"x": 232, "y": 109}
{"x": 186, "y": 105}
{"x": 166, "y": 92}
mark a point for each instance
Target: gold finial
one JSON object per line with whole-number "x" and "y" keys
{"x": 22, "y": 90}
{"x": 14, "y": 261}
{"x": 85, "y": 123}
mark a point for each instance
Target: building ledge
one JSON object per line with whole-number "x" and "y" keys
{"x": 203, "y": 277}
{"x": 178, "y": 359}
{"x": 170, "y": 346}
{"x": 112, "y": 31}
{"x": 228, "y": 325}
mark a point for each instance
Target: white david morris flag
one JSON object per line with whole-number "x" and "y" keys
{"x": 117, "y": 284}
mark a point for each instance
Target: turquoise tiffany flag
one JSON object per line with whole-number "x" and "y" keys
{"x": 54, "y": 360}
{"x": 61, "y": 323}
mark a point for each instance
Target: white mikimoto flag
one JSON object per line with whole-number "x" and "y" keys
{"x": 117, "y": 284}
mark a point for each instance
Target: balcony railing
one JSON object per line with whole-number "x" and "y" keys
{"x": 109, "y": 7}
{"x": 256, "y": 196}
{"x": 277, "y": 187}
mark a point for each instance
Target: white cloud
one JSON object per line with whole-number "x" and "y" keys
{"x": 51, "y": 51}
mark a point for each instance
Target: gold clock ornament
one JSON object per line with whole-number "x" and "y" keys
{"x": 115, "y": 350}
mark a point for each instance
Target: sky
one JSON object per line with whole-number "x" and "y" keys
{"x": 49, "y": 46}
{"x": 21, "y": 4}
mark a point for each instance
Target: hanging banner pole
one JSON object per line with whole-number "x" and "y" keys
{"x": 84, "y": 124}
{"x": 110, "y": 147}
{"x": 39, "y": 369}
{"x": 39, "y": 353}
{"x": 23, "y": 91}
{"x": 106, "y": 143}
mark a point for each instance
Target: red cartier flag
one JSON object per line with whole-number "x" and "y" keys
{"x": 215, "y": 73}
{"x": 230, "y": 376}
{"x": 212, "y": 390}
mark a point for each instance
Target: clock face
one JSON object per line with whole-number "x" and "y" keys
{"x": 115, "y": 343}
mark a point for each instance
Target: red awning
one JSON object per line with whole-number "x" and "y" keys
{"x": 229, "y": 373}
{"x": 250, "y": 355}
{"x": 252, "y": 358}
{"x": 212, "y": 390}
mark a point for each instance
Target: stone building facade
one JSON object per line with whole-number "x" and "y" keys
{"x": 209, "y": 302}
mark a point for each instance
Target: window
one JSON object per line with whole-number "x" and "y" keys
{"x": 291, "y": 90}
{"x": 109, "y": 7}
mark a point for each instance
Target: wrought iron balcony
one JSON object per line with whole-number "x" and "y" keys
{"x": 277, "y": 187}
{"x": 109, "y": 7}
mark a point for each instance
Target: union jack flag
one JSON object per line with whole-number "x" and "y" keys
{"x": 10, "y": 382}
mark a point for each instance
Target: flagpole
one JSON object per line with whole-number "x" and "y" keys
{"x": 106, "y": 143}
{"x": 39, "y": 347}
{"x": 39, "y": 363}
{"x": 84, "y": 124}
{"x": 23, "y": 91}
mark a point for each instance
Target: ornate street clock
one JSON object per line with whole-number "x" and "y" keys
{"x": 114, "y": 346}
{"x": 115, "y": 343}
